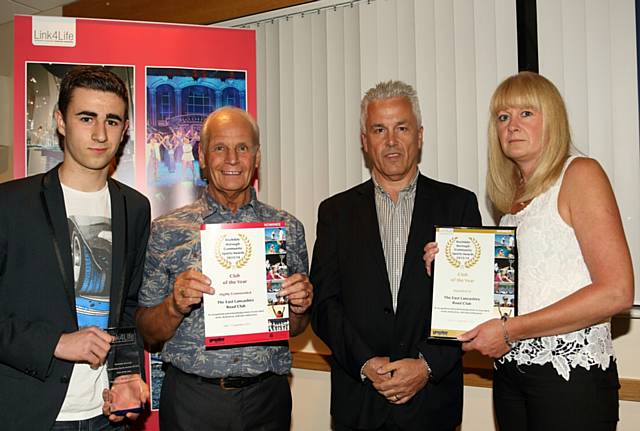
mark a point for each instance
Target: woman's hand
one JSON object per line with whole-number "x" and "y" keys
{"x": 487, "y": 338}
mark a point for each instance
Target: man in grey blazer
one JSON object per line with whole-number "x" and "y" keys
{"x": 72, "y": 244}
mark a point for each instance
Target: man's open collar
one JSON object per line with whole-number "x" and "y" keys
{"x": 210, "y": 206}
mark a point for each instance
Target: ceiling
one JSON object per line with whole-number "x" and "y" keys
{"x": 188, "y": 12}
{"x": 9, "y": 8}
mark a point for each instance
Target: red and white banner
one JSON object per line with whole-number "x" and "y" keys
{"x": 177, "y": 75}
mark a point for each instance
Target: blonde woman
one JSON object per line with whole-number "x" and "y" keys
{"x": 555, "y": 367}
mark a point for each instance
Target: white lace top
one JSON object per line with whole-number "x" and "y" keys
{"x": 551, "y": 267}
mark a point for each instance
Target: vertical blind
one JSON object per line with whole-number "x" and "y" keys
{"x": 588, "y": 49}
{"x": 313, "y": 68}
{"x": 315, "y": 65}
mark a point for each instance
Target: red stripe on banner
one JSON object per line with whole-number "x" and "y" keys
{"x": 231, "y": 340}
{"x": 244, "y": 225}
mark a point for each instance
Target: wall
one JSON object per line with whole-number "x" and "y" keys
{"x": 6, "y": 101}
{"x": 6, "y": 96}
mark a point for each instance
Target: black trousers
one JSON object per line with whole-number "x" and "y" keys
{"x": 388, "y": 426}
{"x": 536, "y": 398}
{"x": 98, "y": 423}
{"x": 189, "y": 404}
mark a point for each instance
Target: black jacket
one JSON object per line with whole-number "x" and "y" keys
{"x": 353, "y": 312}
{"x": 37, "y": 299}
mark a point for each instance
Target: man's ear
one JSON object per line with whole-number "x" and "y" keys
{"x": 258, "y": 158}
{"x": 201, "y": 157}
{"x": 124, "y": 130}
{"x": 363, "y": 142}
{"x": 60, "y": 122}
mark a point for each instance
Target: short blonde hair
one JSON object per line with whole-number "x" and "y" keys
{"x": 527, "y": 90}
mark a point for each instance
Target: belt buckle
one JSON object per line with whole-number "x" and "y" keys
{"x": 224, "y": 386}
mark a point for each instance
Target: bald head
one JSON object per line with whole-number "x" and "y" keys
{"x": 229, "y": 155}
{"x": 227, "y": 113}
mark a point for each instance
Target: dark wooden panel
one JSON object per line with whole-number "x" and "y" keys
{"x": 478, "y": 372}
{"x": 186, "y": 12}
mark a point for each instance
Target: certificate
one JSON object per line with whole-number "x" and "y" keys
{"x": 474, "y": 279}
{"x": 247, "y": 264}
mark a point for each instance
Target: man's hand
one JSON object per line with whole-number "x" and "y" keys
{"x": 370, "y": 370}
{"x": 188, "y": 290}
{"x": 300, "y": 292}
{"x": 88, "y": 345}
{"x": 127, "y": 392}
{"x": 430, "y": 251}
{"x": 408, "y": 376}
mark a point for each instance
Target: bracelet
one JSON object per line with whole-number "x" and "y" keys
{"x": 426, "y": 364}
{"x": 511, "y": 344}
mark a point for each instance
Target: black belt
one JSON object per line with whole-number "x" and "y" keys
{"x": 236, "y": 382}
{"x": 231, "y": 382}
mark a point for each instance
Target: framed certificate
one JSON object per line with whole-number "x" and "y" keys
{"x": 475, "y": 278}
{"x": 247, "y": 263}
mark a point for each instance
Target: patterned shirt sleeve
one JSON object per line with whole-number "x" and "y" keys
{"x": 297, "y": 247}
{"x": 156, "y": 283}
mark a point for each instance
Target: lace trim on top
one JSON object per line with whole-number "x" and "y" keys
{"x": 587, "y": 347}
{"x": 552, "y": 267}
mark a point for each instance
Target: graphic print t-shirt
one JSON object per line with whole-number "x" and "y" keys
{"x": 89, "y": 220}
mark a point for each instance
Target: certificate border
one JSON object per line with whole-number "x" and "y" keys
{"x": 471, "y": 229}
{"x": 253, "y": 338}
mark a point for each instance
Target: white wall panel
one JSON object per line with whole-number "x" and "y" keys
{"x": 406, "y": 42}
{"x": 385, "y": 43}
{"x": 426, "y": 82}
{"x": 288, "y": 115}
{"x": 574, "y": 73}
{"x": 303, "y": 105}
{"x": 550, "y": 39}
{"x": 319, "y": 131}
{"x": 356, "y": 170}
{"x": 269, "y": 118}
{"x": 598, "y": 91}
{"x": 368, "y": 44}
{"x": 625, "y": 174}
{"x": 506, "y": 42}
{"x": 588, "y": 49}
{"x": 445, "y": 92}
{"x": 467, "y": 157}
{"x": 336, "y": 175}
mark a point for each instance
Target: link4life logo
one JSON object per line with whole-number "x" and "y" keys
{"x": 53, "y": 31}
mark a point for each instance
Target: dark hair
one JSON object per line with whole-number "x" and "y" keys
{"x": 92, "y": 78}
